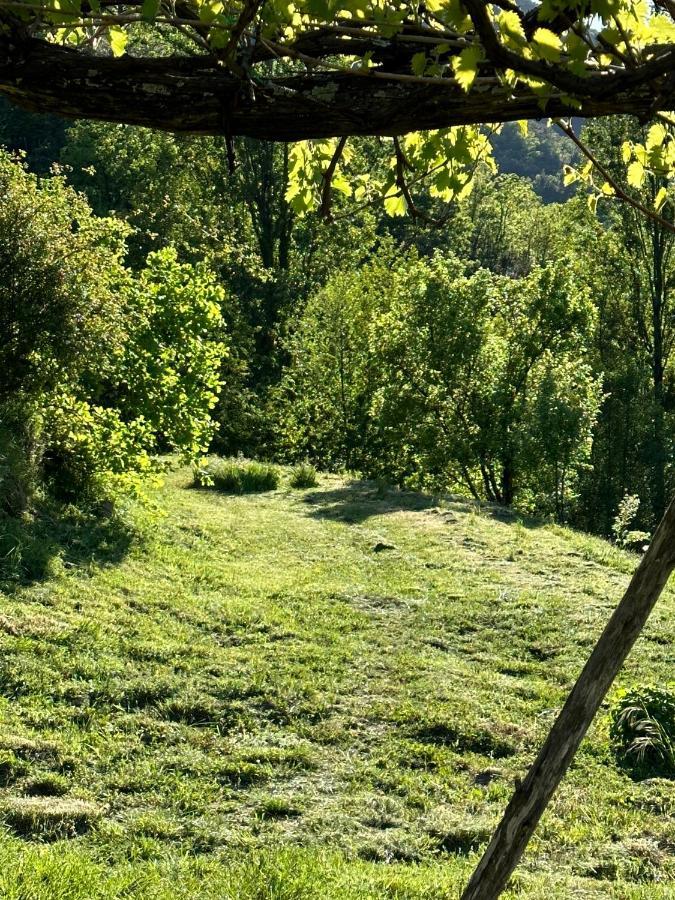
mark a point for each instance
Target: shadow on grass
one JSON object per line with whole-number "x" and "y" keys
{"x": 29, "y": 546}
{"x": 359, "y": 500}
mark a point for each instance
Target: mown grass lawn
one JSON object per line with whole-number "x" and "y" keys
{"x": 320, "y": 693}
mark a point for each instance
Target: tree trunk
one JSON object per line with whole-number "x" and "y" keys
{"x": 533, "y": 795}
{"x": 507, "y": 481}
{"x": 658, "y": 360}
{"x": 659, "y": 452}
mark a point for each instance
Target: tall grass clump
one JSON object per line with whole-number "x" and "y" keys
{"x": 642, "y": 731}
{"x": 240, "y": 476}
{"x": 304, "y": 475}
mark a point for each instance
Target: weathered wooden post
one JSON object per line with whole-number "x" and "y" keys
{"x": 533, "y": 795}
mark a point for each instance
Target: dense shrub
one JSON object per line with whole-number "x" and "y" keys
{"x": 433, "y": 376}
{"x": 57, "y": 314}
{"x": 101, "y": 370}
{"x": 170, "y": 370}
{"x": 238, "y": 476}
{"x": 304, "y": 475}
{"x": 60, "y": 277}
{"x": 642, "y": 731}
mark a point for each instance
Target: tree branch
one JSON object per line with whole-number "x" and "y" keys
{"x": 326, "y": 193}
{"x": 567, "y": 129}
{"x": 198, "y": 94}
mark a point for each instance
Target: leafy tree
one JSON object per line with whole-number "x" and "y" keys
{"x": 511, "y": 230}
{"x": 323, "y": 400}
{"x": 167, "y": 188}
{"x": 156, "y": 389}
{"x": 640, "y": 308}
{"x": 56, "y": 308}
{"x": 421, "y": 373}
{"x": 263, "y": 179}
{"x": 168, "y": 374}
{"x": 100, "y": 371}
{"x": 481, "y": 373}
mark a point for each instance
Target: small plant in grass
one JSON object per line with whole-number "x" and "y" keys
{"x": 304, "y": 475}
{"x": 642, "y": 731}
{"x": 202, "y": 476}
{"x": 11, "y": 767}
{"x": 624, "y": 535}
{"x": 256, "y": 476}
{"x": 236, "y": 476}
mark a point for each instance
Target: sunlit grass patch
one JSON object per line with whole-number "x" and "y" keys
{"x": 254, "y": 700}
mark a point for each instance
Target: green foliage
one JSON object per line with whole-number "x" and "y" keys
{"x": 635, "y": 286}
{"x": 534, "y": 59}
{"x": 304, "y": 475}
{"x": 510, "y": 230}
{"x": 499, "y": 429}
{"x": 324, "y": 396}
{"x": 419, "y": 372}
{"x": 175, "y": 190}
{"x": 156, "y": 392}
{"x": 238, "y": 476}
{"x": 101, "y": 371}
{"x": 642, "y": 730}
{"x": 57, "y": 309}
{"x": 152, "y": 180}
{"x": 624, "y": 535}
{"x": 171, "y": 364}
{"x": 58, "y": 313}
{"x": 20, "y": 458}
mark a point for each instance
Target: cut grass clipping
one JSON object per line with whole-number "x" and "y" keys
{"x": 239, "y": 476}
{"x": 48, "y": 819}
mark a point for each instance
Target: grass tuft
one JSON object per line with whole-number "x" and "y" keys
{"x": 304, "y": 475}
{"x": 48, "y": 819}
{"x": 278, "y": 808}
{"x": 236, "y": 476}
{"x": 11, "y": 767}
{"x": 47, "y": 785}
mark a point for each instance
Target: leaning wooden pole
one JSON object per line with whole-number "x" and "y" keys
{"x": 533, "y": 795}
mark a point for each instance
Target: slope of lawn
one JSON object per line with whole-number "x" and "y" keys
{"x": 321, "y": 693}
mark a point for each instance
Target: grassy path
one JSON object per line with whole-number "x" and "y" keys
{"x": 322, "y": 693}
